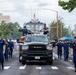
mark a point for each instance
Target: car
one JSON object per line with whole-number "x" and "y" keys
{"x": 36, "y": 48}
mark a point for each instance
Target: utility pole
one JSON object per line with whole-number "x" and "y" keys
{"x": 57, "y": 23}
{"x": 56, "y": 27}
{"x": 61, "y": 30}
{"x": 56, "y": 20}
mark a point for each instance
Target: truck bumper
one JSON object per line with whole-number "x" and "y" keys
{"x": 40, "y": 58}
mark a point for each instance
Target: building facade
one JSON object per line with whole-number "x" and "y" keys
{"x": 5, "y": 18}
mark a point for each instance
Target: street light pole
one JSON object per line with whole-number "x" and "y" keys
{"x": 56, "y": 19}
{"x": 61, "y": 30}
{"x": 57, "y": 24}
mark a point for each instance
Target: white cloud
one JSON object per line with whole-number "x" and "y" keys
{"x": 20, "y": 11}
{"x": 6, "y": 6}
{"x": 30, "y": 5}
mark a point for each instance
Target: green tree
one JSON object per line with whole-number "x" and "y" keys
{"x": 16, "y": 34}
{"x": 70, "y": 5}
{"x": 5, "y": 29}
{"x": 61, "y": 26}
{"x": 10, "y": 30}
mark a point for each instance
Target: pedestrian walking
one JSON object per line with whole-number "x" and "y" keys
{"x": 59, "y": 49}
{"x": 11, "y": 46}
{"x": 7, "y": 50}
{"x": 74, "y": 52}
{"x": 2, "y": 51}
{"x": 66, "y": 50}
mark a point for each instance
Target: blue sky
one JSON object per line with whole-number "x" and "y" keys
{"x": 23, "y": 10}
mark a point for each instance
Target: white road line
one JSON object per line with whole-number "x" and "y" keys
{"x": 54, "y": 67}
{"x": 38, "y": 68}
{"x": 6, "y": 67}
{"x": 70, "y": 68}
{"x": 22, "y": 67}
{"x": 70, "y": 60}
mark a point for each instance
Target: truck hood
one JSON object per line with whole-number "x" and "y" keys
{"x": 34, "y": 43}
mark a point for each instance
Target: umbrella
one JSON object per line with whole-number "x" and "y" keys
{"x": 68, "y": 38}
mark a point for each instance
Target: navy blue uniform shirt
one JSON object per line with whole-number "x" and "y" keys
{"x": 7, "y": 46}
{"x": 66, "y": 46}
{"x": 11, "y": 44}
{"x": 74, "y": 51}
{"x": 59, "y": 45}
{"x": 1, "y": 45}
{"x": 24, "y": 32}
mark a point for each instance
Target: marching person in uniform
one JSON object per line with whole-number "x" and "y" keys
{"x": 66, "y": 50}
{"x": 7, "y": 50}
{"x": 59, "y": 49}
{"x": 74, "y": 52}
{"x": 24, "y": 31}
{"x": 2, "y": 51}
{"x": 11, "y": 46}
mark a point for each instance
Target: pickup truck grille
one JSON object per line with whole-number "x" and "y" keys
{"x": 37, "y": 48}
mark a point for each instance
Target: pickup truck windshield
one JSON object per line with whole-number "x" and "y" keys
{"x": 36, "y": 39}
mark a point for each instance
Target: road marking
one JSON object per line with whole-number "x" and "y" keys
{"x": 70, "y": 60}
{"x": 22, "y": 67}
{"x": 38, "y": 68}
{"x": 6, "y": 67}
{"x": 70, "y": 68}
{"x": 54, "y": 67}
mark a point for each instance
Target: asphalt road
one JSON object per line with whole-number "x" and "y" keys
{"x": 59, "y": 67}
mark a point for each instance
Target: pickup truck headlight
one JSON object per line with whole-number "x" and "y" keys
{"x": 49, "y": 47}
{"x": 25, "y": 47}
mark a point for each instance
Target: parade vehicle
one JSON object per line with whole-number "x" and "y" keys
{"x": 37, "y": 48}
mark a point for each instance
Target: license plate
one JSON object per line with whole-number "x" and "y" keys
{"x": 37, "y": 57}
